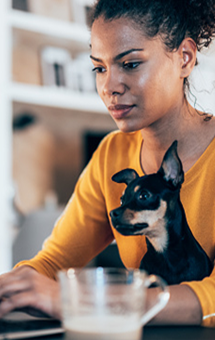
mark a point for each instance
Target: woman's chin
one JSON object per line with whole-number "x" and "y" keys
{"x": 126, "y": 129}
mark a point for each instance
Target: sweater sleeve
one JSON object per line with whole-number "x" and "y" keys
{"x": 83, "y": 230}
{"x": 205, "y": 291}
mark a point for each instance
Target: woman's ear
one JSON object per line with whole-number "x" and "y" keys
{"x": 187, "y": 51}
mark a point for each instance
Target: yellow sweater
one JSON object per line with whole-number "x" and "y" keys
{"x": 84, "y": 228}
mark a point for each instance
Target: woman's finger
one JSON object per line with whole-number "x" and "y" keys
{"x": 16, "y": 281}
{"x": 27, "y": 288}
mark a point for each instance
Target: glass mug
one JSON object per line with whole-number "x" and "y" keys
{"x": 107, "y": 303}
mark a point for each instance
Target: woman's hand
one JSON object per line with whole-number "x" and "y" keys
{"x": 24, "y": 288}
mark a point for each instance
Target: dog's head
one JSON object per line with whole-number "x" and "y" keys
{"x": 147, "y": 199}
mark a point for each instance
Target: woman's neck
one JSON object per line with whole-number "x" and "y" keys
{"x": 188, "y": 128}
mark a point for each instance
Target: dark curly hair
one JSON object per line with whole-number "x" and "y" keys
{"x": 173, "y": 20}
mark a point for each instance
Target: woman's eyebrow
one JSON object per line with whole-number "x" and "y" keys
{"x": 120, "y": 55}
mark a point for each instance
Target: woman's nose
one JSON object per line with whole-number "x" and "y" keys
{"x": 113, "y": 84}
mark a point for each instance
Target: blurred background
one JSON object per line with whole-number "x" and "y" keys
{"x": 53, "y": 121}
{"x": 51, "y": 117}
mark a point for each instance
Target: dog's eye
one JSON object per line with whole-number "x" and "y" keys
{"x": 144, "y": 195}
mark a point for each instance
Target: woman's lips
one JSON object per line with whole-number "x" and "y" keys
{"x": 120, "y": 111}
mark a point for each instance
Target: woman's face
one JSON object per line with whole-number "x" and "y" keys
{"x": 137, "y": 79}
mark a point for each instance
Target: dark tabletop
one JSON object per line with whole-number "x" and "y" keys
{"x": 179, "y": 332}
{"x": 167, "y": 333}
{"x": 149, "y": 332}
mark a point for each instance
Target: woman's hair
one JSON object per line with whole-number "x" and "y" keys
{"x": 173, "y": 20}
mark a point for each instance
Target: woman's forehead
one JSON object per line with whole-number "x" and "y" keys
{"x": 122, "y": 25}
{"x": 119, "y": 35}
{"x": 119, "y": 32}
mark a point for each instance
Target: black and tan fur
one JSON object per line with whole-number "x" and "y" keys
{"x": 151, "y": 206}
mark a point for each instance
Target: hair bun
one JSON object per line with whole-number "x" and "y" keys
{"x": 201, "y": 21}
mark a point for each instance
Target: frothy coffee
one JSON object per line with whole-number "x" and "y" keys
{"x": 103, "y": 328}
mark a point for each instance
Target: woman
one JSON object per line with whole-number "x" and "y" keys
{"x": 143, "y": 53}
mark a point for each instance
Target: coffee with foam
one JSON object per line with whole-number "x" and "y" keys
{"x": 103, "y": 328}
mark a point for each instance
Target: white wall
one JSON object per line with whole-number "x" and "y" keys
{"x": 203, "y": 80}
{"x": 5, "y": 141}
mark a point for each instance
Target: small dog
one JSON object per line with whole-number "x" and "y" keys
{"x": 151, "y": 206}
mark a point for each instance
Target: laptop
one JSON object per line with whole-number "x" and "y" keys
{"x": 20, "y": 325}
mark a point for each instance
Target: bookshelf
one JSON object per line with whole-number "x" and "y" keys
{"x": 41, "y": 31}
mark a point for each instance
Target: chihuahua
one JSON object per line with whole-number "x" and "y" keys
{"x": 151, "y": 206}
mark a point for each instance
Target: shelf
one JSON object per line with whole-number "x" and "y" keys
{"x": 56, "y": 97}
{"x": 47, "y": 26}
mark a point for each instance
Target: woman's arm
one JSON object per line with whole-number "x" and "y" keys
{"x": 24, "y": 288}
{"x": 183, "y": 307}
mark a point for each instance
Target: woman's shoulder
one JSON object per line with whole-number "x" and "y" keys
{"x": 209, "y": 153}
{"x": 204, "y": 167}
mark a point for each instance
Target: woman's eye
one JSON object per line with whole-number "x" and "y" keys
{"x": 98, "y": 69}
{"x": 144, "y": 196}
{"x": 131, "y": 65}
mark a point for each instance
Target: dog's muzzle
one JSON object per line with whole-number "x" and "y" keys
{"x": 123, "y": 227}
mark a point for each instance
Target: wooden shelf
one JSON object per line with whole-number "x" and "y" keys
{"x": 47, "y": 26}
{"x": 56, "y": 97}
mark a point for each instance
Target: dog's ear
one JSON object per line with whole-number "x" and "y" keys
{"x": 125, "y": 176}
{"x": 171, "y": 167}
